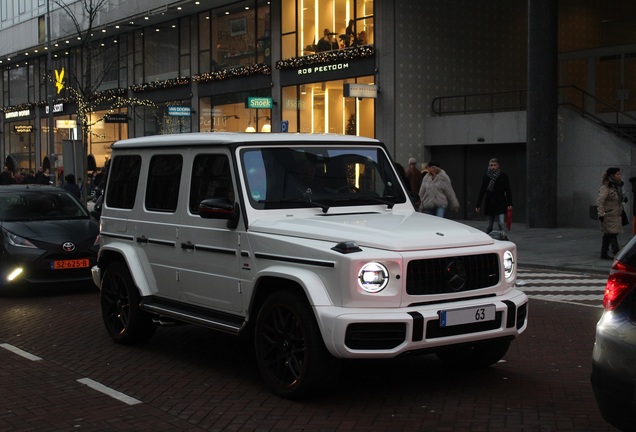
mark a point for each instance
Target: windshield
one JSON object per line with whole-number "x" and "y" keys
{"x": 319, "y": 176}
{"x": 25, "y": 205}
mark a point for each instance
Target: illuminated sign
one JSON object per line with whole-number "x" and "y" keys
{"x": 16, "y": 114}
{"x": 360, "y": 90}
{"x": 323, "y": 68}
{"x": 23, "y": 128}
{"x": 56, "y": 108}
{"x": 259, "y": 103}
{"x": 59, "y": 80}
{"x": 65, "y": 124}
{"x": 179, "y": 111}
{"x": 116, "y": 118}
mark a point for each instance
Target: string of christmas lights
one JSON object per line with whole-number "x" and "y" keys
{"x": 241, "y": 71}
{"x": 160, "y": 85}
{"x": 327, "y": 57}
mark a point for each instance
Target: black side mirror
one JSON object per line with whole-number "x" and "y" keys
{"x": 220, "y": 208}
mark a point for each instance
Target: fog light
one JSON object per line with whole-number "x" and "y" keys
{"x": 14, "y": 274}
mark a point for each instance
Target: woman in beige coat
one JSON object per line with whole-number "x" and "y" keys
{"x": 436, "y": 192}
{"x": 610, "y": 208}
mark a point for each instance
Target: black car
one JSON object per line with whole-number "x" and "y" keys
{"x": 614, "y": 355}
{"x": 46, "y": 237}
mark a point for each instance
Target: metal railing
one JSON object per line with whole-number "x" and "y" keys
{"x": 586, "y": 104}
{"x": 513, "y": 100}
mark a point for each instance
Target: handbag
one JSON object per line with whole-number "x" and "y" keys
{"x": 624, "y": 219}
{"x": 509, "y": 219}
{"x": 594, "y": 212}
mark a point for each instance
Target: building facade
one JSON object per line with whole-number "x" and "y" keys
{"x": 184, "y": 66}
{"x": 375, "y": 68}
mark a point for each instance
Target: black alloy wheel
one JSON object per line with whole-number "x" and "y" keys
{"x": 125, "y": 322}
{"x": 290, "y": 352}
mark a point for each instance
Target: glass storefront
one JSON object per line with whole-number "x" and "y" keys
{"x": 322, "y": 108}
{"x": 227, "y": 113}
{"x": 19, "y": 138}
{"x": 108, "y": 127}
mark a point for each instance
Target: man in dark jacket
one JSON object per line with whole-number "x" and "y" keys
{"x": 71, "y": 186}
{"x": 495, "y": 188}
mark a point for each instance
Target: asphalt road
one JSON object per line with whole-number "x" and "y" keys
{"x": 59, "y": 371}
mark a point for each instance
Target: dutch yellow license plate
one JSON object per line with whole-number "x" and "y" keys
{"x": 70, "y": 264}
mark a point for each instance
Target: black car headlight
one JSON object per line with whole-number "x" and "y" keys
{"x": 17, "y": 241}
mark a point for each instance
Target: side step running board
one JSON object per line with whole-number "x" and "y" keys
{"x": 221, "y": 322}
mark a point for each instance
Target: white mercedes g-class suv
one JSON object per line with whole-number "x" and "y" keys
{"x": 309, "y": 244}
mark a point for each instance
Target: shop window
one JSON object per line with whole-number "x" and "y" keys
{"x": 106, "y": 66}
{"x": 108, "y": 127}
{"x": 18, "y": 85}
{"x": 161, "y": 51}
{"x": 315, "y": 26}
{"x": 227, "y": 113}
{"x": 322, "y": 108}
{"x": 234, "y": 35}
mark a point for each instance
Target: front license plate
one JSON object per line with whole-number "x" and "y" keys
{"x": 466, "y": 315}
{"x": 70, "y": 264}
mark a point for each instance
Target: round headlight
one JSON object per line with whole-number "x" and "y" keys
{"x": 373, "y": 277}
{"x": 508, "y": 264}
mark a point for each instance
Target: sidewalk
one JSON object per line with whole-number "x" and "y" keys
{"x": 565, "y": 249}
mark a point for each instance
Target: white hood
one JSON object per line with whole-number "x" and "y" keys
{"x": 390, "y": 231}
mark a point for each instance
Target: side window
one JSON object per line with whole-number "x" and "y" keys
{"x": 123, "y": 177}
{"x": 211, "y": 178}
{"x": 164, "y": 176}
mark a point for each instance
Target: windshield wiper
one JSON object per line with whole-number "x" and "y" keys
{"x": 378, "y": 200}
{"x": 309, "y": 202}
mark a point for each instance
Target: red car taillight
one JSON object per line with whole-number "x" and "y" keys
{"x": 620, "y": 282}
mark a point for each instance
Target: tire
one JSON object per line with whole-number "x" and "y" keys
{"x": 291, "y": 355}
{"x": 125, "y": 322}
{"x": 475, "y": 356}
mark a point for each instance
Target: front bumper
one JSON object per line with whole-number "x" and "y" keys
{"x": 385, "y": 333}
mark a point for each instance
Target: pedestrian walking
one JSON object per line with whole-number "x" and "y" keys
{"x": 496, "y": 194}
{"x": 436, "y": 192}
{"x": 6, "y": 177}
{"x": 414, "y": 176}
{"x": 71, "y": 186}
{"x": 610, "y": 210}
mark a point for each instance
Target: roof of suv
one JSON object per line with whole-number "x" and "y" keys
{"x": 226, "y": 138}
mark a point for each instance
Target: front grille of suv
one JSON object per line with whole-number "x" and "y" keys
{"x": 452, "y": 274}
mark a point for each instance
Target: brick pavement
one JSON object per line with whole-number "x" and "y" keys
{"x": 193, "y": 379}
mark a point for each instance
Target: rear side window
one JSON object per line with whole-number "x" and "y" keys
{"x": 164, "y": 177}
{"x": 123, "y": 178}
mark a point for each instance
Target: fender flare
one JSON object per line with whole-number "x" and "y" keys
{"x": 311, "y": 284}
{"x": 139, "y": 267}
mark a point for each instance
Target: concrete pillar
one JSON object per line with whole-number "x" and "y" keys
{"x": 541, "y": 147}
